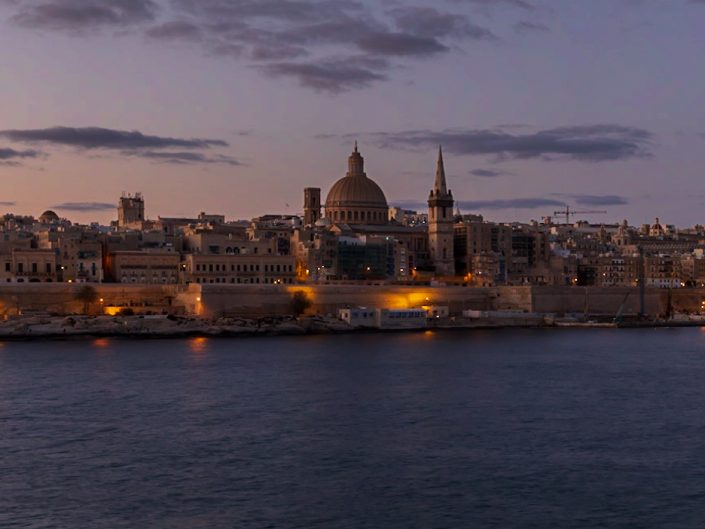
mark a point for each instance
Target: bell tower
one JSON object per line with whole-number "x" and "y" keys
{"x": 312, "y": 205}
{"x": 440, "y": 223}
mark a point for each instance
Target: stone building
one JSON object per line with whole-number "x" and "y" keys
{"x": 440, "y": 223}
{"x": 239, "y": 269}
{"x": 131, "y": 211}
{"x": 355, "y": 198}
{"x": 150, "y": 267}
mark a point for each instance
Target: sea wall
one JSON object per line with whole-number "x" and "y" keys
{"x": 61, "y": 298}
{"x": 268, "y": 300}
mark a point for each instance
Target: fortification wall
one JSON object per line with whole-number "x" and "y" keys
{"x": 264, "y": 300}
{"x": 60, "y": 298}
{"x": 257, "y": 300}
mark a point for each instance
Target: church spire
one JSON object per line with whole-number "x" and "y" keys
{"x": 440, "y": 186}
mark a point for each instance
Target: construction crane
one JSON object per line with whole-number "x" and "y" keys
{"x": 568, "y": 213}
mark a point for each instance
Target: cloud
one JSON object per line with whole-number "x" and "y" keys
{"x": 400, "y": 44}
{"x": 487, "y": 173}
{"x": 175, "y": 30}
{"x": 308, "y": 40}
{"x": 523, "y": 4}
{"x": 486, "y": 205}
{"x": 83, "y": 15}
{"x": 530, "y": 27}
{"x": 11, "y": 154}
{"x": 600, "y": 200}
{"x": 594, "y": 143}
{"x": 101, "y": 138}
{"x": 431, "y": 23}
{"x": 327, "y": 76}
{"x": 508, "y": 203}
{"x": 127, "y": 143}
{"x": 84, "y": 206}
{"x": 8, "y": 203}
{"x": 186, "y": 157}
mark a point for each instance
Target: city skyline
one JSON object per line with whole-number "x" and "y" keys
{"x": 234, "y": 107}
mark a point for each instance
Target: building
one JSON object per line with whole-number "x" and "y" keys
{"x": 312, "y": 205}
{"x": 149, "y": 267}
{"x": 261, "y": 269}
{"x": 440, "y": 223}
{"x": 355, "y": 198}
{"x": 131, "y": 211}
{"x": 28, "y": 266}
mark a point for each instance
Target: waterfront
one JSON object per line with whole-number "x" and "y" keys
{"x": 520, "y": 428}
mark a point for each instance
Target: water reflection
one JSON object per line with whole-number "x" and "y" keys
{"x": 198, "y": 345}
{"x": 101, "y": 343}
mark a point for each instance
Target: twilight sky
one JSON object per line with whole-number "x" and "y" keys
{"x": 234, "y": 106}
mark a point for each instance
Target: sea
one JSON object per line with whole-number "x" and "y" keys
{"x": 553, "y": 428}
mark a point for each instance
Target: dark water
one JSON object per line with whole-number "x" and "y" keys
{"x": 566, "y": 429}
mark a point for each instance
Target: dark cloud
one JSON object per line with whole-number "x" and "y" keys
{"x": 84, "y": 206}
{"x": 600, "y": 200}
{"x": 431, "y": 23}
{"x": 176, "y": 30}
{"x": 593, "y": 143}
{"x": 509, "y": 203}
{"x": 486, "y": 205}
{"x": 101, "y": 138}
{"x": 523, "y": 4}
{"x": 487, "y": 173}
{"x": 530, "y": 27}
{"x": 127, "y": 143}
{"x": 8, "y": 203}
{"x": 11, "y": 154}
{"x": 279, "y": 36}
{"x": 185, "y": 158}
{"x": 326, "y": 76}
{"x": 83, "y": 15}
{"x": 401, "y": 44}
{"x": 281, "y": 10}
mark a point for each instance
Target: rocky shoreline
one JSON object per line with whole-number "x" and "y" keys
{"x": 162, "y": 327}
{"x": 54, "y": 327}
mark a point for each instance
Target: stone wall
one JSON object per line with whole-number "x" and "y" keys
{"x": 264, "y": 300}
{"x": 60, "y": 298}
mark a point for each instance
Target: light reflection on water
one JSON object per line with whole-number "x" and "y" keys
{"x": 198, "y": 345}
{"x": 101, "y": 343}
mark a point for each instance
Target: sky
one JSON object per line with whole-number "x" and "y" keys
{"x": 234, "y": 106}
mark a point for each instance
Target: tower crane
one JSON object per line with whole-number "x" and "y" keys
{"x": 568, "y": 213}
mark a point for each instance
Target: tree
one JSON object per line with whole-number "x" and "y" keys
{"x": 87, "y": 295}
{"x": 300, "y": 302}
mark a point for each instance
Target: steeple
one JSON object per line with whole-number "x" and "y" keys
{"x": 440, "y": 223}
{"x": 440, "y": 185}
{"x": 356, "y": 163}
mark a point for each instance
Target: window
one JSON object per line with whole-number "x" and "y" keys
{"x": 20, "y": 268}
{"x": 48, "y": 268}
{"x": 8, "y": 267}
{"x": 34, "y": 268}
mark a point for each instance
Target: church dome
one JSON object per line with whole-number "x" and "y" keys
{"x": 356, "y": 191}
{"x": 355, "y": 197}
{"x": 48, "y": 217}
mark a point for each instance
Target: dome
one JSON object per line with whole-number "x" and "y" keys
{"x": 48, "y": 217}
{"x": 356, "y": 198}
{"x": 358, "y": 191}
